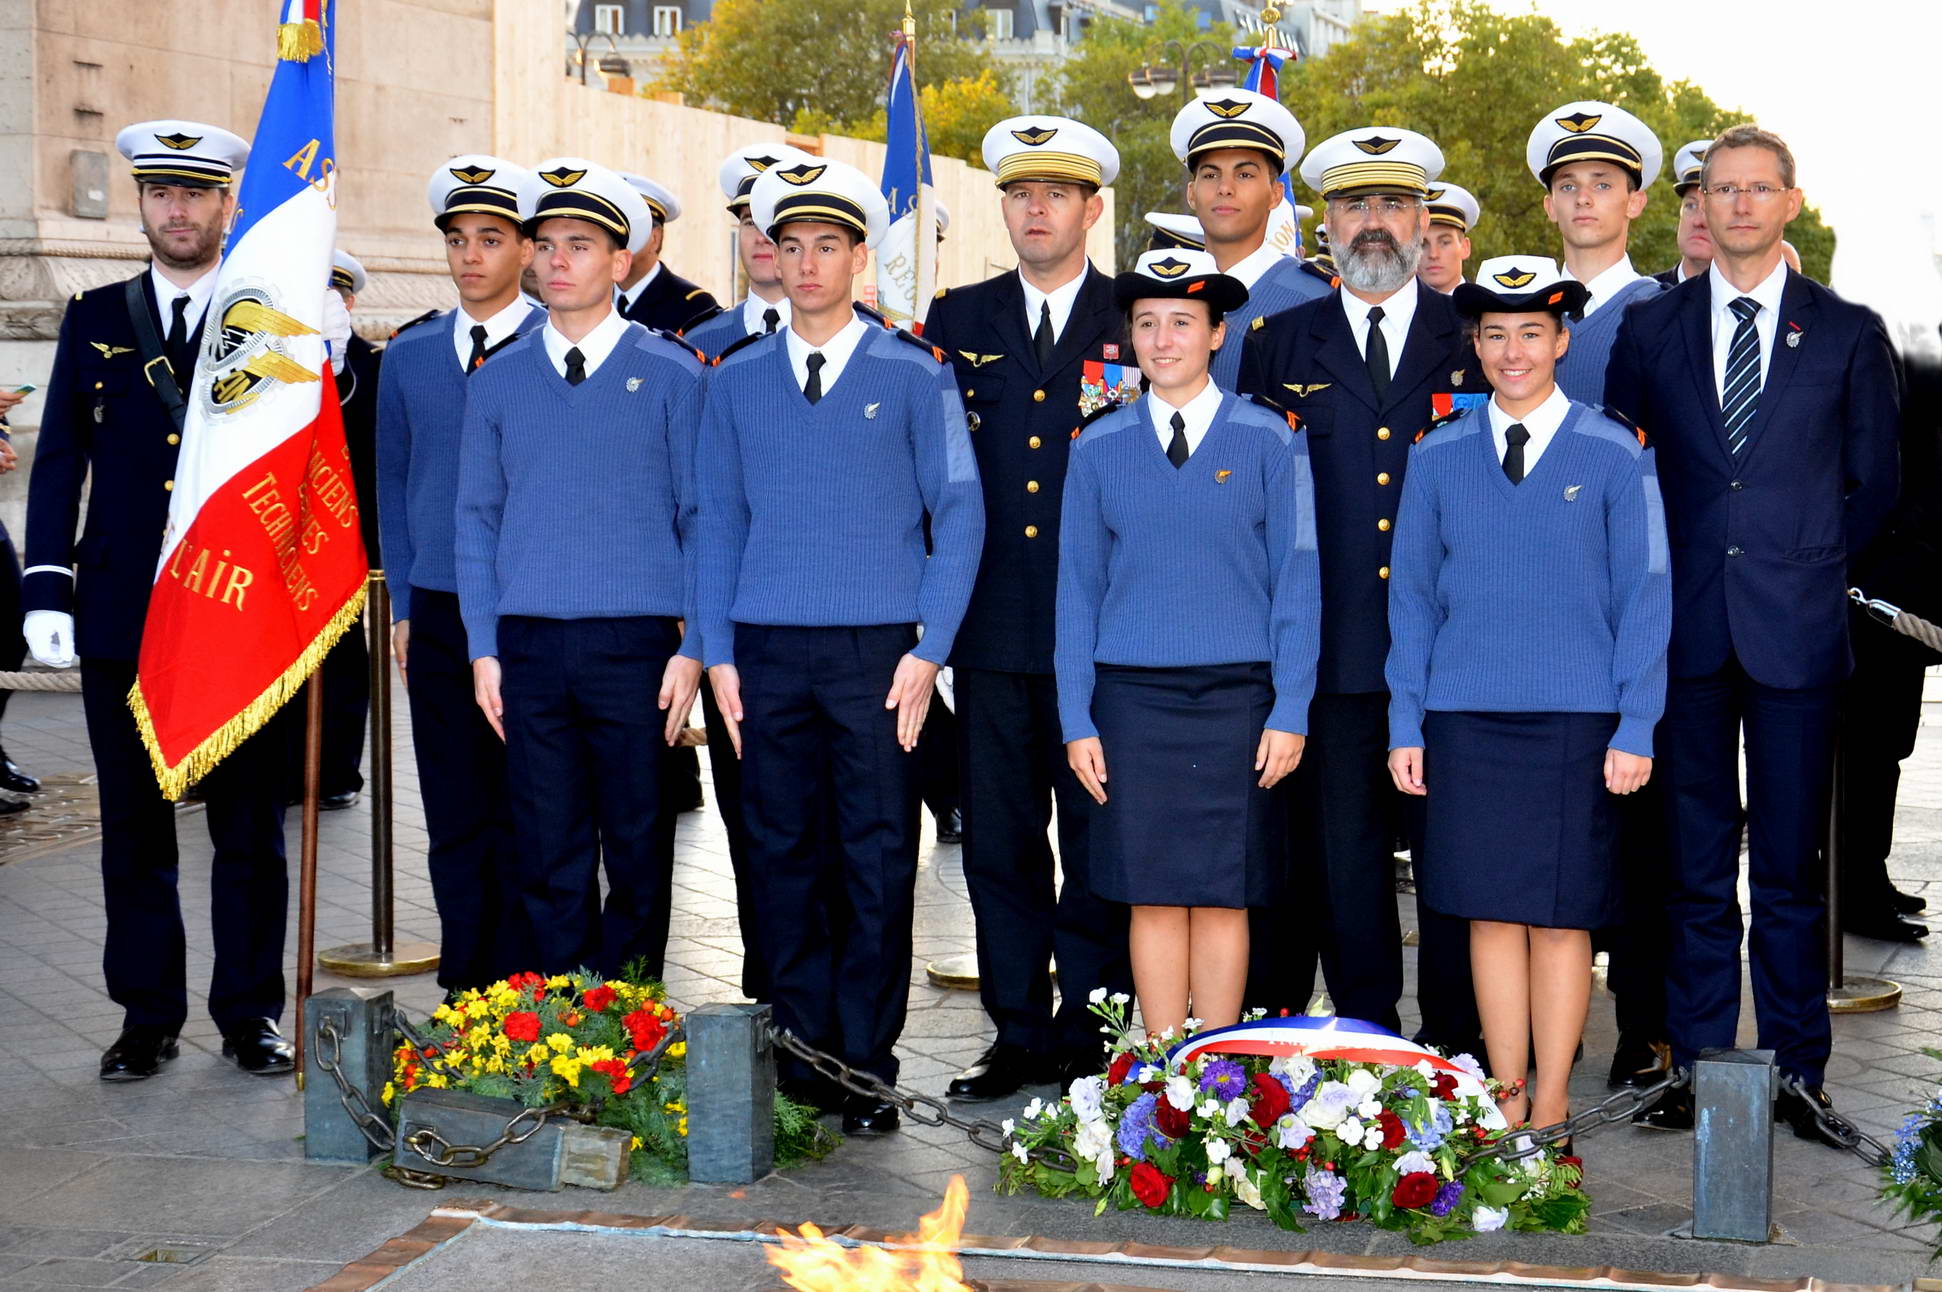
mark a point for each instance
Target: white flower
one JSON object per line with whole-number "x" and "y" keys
{"x": 1087, "y": 1095}
{"x": 1210, "y": 1108}
{"x": 1350, "y": 1131}
{"x": 1488, "y": 1219}
{"x": 1247, "y": 1191}
{"x": 1018, "y": 1151}
{"x": 1469, "y": 1065}
{"x": 1328, "y": 1107}
{"x": 1373, "y": 1139}
{"x": 1120, "y": 998}
{"x": 1236, "y": 1169}
{"x": 1414, "y": 1161}
{"x": 1217, "y": 1151}
{"x": 1093, "y": 1140}
{"x": 1033, "y": 1109}
{"x": 1180, "y": 1093}
{"x": 1103, "y": 1164}
{"x": 1291, "y": 1132}
{"x": 1300, "y": 1070}
{"x": 1008, "y": 1125}
{"x": 1423, "y": 1066}
{"x": 1148, "y": 1072}
{"x": 1193, "y": 1025}
{"x": 1364, "y": 1082}
{"x": 1098, "y": 996}
{"x": 1369, "y": 1109}
{"x": 1236, "y": 1111}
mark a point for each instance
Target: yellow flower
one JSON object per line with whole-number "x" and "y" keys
{"x": 684, "y": 1127}
{"x": 678, "y": 1050}
{"x": 635, "y": 1143}
{"x": 436, "y": 1081}
{"x": 557, "y": 981}
{"x": 676, "y": 1107}
{"x": 446, "y": 1014}
{"x": 390, "y": 1091}
{"x": 591, "y": 1053}
{"x": 568, "y": 1068}
{"x": 561, "y": 1042}
{"x": 537, "y": 1054}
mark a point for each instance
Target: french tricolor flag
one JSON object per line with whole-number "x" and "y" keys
{"x": 1317, "y": 1037}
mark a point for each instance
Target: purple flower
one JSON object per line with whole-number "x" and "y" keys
{"x": 1446, "y": 1198}
{"x": 1135, "y": 1125}
{"x": 1326, "y": 1192}
{"x": 1224, "y": 1079}
{"x": 1299, "y": 1095}
{"x": 1434, "y": 1131}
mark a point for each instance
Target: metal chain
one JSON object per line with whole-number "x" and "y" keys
{"x": 644, "y": 1062}
{"x": 1621, "y": 1107}
{"x": 920, "y": 1108}
{"x": 1838, "y": 1128}
{"x": 373, "y": 1127}
{"x": 439, "y": 1151}
{"x": 429, "y": 1055}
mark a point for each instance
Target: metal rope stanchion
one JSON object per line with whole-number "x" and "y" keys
{"x": 380, "y": 957}
{"x": 1853, "y": 995}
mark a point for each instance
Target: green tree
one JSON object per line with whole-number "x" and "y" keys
{"x": 824, "y": 64}
{"x": 957, "y": 114}
{"x": 1476, "y": 81}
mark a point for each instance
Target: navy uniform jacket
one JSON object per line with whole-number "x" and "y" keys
{"x": 670, "y": 302}
{"x": 718, "y": 331}
{"x": 102, "y": 418}
{"x": 1022, "y": 420}
{"x": 1761, "y": 540}
{"x": 357, "y": 396}
{"x": 1306, "y": 360}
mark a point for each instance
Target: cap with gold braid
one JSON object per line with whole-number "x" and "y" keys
{"x": 1372, "y": 160}
{"x": 1588, "y": 130}
{"x": 1687, "y": 164}
{"x": 1050, "y": 149}
{"x": 475, "y": 183}
{"x": 182, "y": 152}
{"x": 1453, "y": 206}
{"x": 665, "y": 205}
{"x": 346, "y": 275}
{"x": 1178, "y": 273}
{"x": 740, "y": 168}
{"x": 816, "y": 188}
{"x": 584, "y": 190}
{"x": 1519, "y": 285}
{"x": 1237, "y": 119}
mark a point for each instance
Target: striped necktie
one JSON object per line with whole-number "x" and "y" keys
{"x": 1740, "y": 393}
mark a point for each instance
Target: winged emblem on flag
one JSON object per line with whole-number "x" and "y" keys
{"x": 246, "y": 350}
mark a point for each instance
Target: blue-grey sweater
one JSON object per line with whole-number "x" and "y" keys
{"x": 1549, "y": 596}
{"x": 1212, "y": 563}
{"x": 577, "y": 502}
{"x": 1581, "y": 373}
{"x": 813, "y": 515}
{"x": 1281, "y": 288}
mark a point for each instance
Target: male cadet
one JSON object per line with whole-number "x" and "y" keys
{"x": 766, "y": 307}
{"x": 115, "y": 402}
{"x": 653, "y": 294}
{"x": 1773, "y": 404}
{"x": 575, "y": 549}
{"x": 823, "y": 448}
{"x": 1236, "y": 146}
{"x": 421, "y": 406}
{"x": 1695, "y": 244}
{"x": 1036, "y": 351}
{"x": 1364, "y": 368}
{"x": 1453, "y": 213}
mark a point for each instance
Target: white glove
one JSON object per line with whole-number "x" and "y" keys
{"x": 337, "y": 326}
{"x": 50, "y": 637}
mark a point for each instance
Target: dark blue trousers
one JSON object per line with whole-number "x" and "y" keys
{"x": 834, "y": 912}
{"x": 1014, "y": 768}
{"x": 144, "y": 956}
{"x": 584, "y": 746}
{"x": 483, "y": 933}
{"x": 1789, "y": 747}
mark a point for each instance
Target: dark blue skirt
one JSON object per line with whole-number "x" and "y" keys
{"x": 1185, "y": 823}
{"x": 1519, "y": 826}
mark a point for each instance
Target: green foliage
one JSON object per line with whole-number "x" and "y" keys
{"x": 957, "y": 114}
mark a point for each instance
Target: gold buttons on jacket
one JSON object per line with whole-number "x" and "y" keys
{"x": 1031, "y": 486}
{"x": 969, "y": 393}
{"x": 1033, "y": 442}
{"x": 1382, "y": 432}
{"x": 1038, "y": 396}
{"x": 169, "y": 485}
{"x": 1382, "y": 477}
{"x": 174, "y": 438}
{"x": 1031, "y": 531}
{"x": 1383, "y": 524}
{"x": 1383, "y": 573}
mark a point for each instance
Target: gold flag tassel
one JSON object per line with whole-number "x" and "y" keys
{"x": 296, "y": 42}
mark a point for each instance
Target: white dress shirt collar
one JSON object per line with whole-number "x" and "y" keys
{"x": 198, "y": 293}
{"x": 1197, "y": 413}
{"x": 1768, "y": 292}
{"x": 836, "y": 351}
{"x": 1256, "y": 263}
{"x": 1542, "y": 422}
{"x": 629, "y": 295}
{"x": 1397, "y": 313}
{"x": 1060, "y": 298}
{"x": 594, "y": 347}
{"x": 754, "y": 307}
{"x": 1609, "y": 284}
{"x": 497, "y": 328}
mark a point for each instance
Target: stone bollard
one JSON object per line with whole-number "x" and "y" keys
{"x": 731, "y": 1094}
{"x": 363, "y": 1024}
{"x": 1733, "y": 1094}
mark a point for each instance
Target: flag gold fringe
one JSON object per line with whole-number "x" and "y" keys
{"x": 222, "y": 742}
{"x": 297, "y": 42}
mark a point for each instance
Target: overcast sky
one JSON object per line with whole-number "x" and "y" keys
{"x": 1851, "y": 86}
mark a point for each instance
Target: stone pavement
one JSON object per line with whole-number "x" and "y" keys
{"x": 201, "y": 1170}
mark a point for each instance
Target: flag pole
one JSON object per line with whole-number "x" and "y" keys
{"x": 313, "y": 757}
{"x": 918, "y": 241}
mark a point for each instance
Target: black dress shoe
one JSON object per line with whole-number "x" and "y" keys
{"x": 259, "y": 1049}
{"x": 863, "y": 1115}
{"x": 1905, "y": 903}
{"x": 1673, "y": 1111}
{"x": 1000, "y": 1071}
{"x": 12, "y": 778}
{"x": 1881, "y": 922}
{"x": 950, "y": 827}
{"x": 1638, "y": 1063}
{"x": 337, "y": 802}
{"x": 1798, "y": 1112}
{"x": 138, "y": 1053}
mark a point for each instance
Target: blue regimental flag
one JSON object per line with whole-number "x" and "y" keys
{"x": 1264, "y": 64}
{"x": 907, "y": 256}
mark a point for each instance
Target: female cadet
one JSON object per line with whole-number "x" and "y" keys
{"x": 1529, "y": 610}
{"x": 1189, "y": 608}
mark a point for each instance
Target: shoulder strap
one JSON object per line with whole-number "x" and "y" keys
{"x": 149, "y": 342}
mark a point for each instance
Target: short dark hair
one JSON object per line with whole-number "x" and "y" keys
{"x": 1214, "y": 317}
{"x": 855, "y": 238}
{"x": 1750, "y": 136}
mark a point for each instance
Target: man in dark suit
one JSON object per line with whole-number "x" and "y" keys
{"x": 1695, "y": 243}
{"x": 1364, "y": 368}
{"x": 653, "y": 294}
{"x": 122, "y": 370}
{"x": 1773, "y": 403}
{"x": 1036, "y": 351}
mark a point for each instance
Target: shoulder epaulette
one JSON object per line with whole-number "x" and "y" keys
{"x": 918, "y": 341}
{"x": 1260, "y": 320}
{"x": 504, "y": 341}
{"x": 873, "y": 314}
{"x": 1294, "y": 422}
{"x": 676, "y": 339}
{"x": 708, "y": 315}
{"x": 1627, "y": 423}
{"x": 426, "y": 317}
{"x": 699, "y": 291}
{"x": 747, "y": 340}
{"x": 940, "y": 293}
{"x": 1444, "y": 420}
{"x": 1106, "y": 409}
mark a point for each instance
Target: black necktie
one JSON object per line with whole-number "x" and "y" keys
{"x": 1740, "y": 395}
{"x": 770, "y": 317}
{"x": 1177, "y": 447}
{"x": 1042, "y": 339}
{"x": 576, "y": 367}
{"x": 181, "y": 362}
{"x": 477, "y": 356}
{"x": 1376, "y": 355}
{"x": 1516, "y": 437}
{"x": 812, "y": 390}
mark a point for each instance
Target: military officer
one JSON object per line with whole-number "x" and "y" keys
{"x": 1695, "y": 242}
{"x": 1236, "y": 146}
{"x": 1365, "y": 368}
{"x": 1036, "y": 350}
{"x": 766, "y": 307}
{"x": 1453, "y": 213}
{"x": 122, "y": 372}
{"x": 652, "y": 293}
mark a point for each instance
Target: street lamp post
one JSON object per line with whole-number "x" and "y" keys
{"x": 586, "y": 38}
{"x": 1169, "y": 66}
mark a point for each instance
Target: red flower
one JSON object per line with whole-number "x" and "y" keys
{"x": 1151, "y": 1185}
{"x": 1122, "y": 1064}
{"x": 1443, "y": 1085}
{"x": 1393, "y": 1130}
{"x": 525, "y": 982}
{"x": 645, "y": 1028}
{"x": 615, "y": 1070}
{"x": 598, "y": 998}
{"x": 1270, "y": 1100}
{"x": 1417, "y": 1189}
{"x": 522, "y": 1025}
{"x": 1171, "y": 1121}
